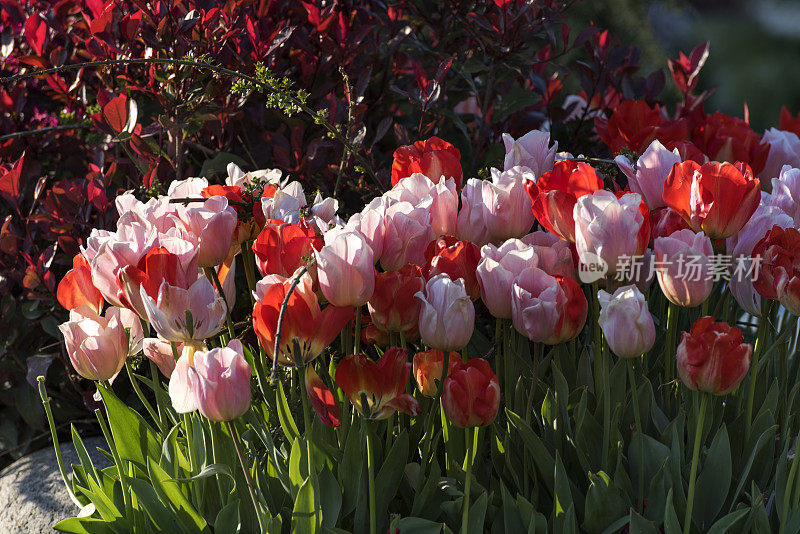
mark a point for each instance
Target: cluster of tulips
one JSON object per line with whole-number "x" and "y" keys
{"x": 419, "y": 266}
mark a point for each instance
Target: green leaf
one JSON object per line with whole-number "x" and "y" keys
{"x": 671, "y": 524}
{"x": 285, "y": 415}
{"x": 515, "y": 99}
{"x": 563, "y": 494}
{"x": 605, "y": 504}
{"x": 477, "y": 513}
{"x": 714, "y": 481}
{"x": 350, "y": 468}
{"x": 83, "y": 525}
{"x": 134, "y": 439}
{"x": 640, "y": 525}
{"x": 418, "y": 525}
{"x": 307, "y": 514}
{"x": 545, "y": 463}
{"x": 227, "y": 520}
{"x": 765, "y": 437}
{"x": 723, "y": 525}
{"x": 330, "y": 497}
{"x": 391, "y": 472}
{"x": 167, "y": 490}
{"x": 208, "y": 471}
{"x": 219, "y": 163}
{"x": 162, "y": 520}
{"x": 83, "y": 455}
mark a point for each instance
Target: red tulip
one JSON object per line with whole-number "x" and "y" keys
{"x": 459, "y": 259}
{"x": 725, "y": 138}
{"x": 382, "y": 384}
{"x": 471, "y": 394}
{"x": 303, "y": 322}
{"x": 713, "y": 358}
{"x": 393, "y": 307}
{"x": 428, "y": 370}
{"x": 281, "y": 248}
{"x": 555, "y": 193}
{"x": 434, "y": 158}
{"x": 715, "y": 198}
{"x": 788, "y": 123}
{"x": 779, "y": 269}
{"x": 76, "y": 287}
{"x": 664, "y": 222}
{"x": 634, "y": 125}
{"x": 321, "y": 398}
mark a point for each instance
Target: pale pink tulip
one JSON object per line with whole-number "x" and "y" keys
{"x": 651, "y": 171}
{"x": 223, "y": 382}
{"x": 442, "y": 196}
{"x": 554, "y": 254}
{"x": 345, "y": 268}
{"x": 160, "y": 352}
{"x": 371, "y": 224}
{"x": 508, "y": 207}
{"x": 407, "y": 233}
{"x": 784, "y": 149}
{"x": 626, "y": 322}
{"x": 211, "y": 225}
{"x": 532, "y": 150}
{"x": 471, "y": 222}
{"x": 186, "y": 315}
{"x": 447, "y": 317}
{"x": 683, "y": 267}
{"x": 496, "y": 271}
{"x": 786, "y": 193}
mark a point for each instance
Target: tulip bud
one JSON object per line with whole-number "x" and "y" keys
{"x": 281, "y": 248}
{"x": 345, "y": 268}
{"x": 382, "y": 384}
{"x": 496, "y": 271}
{"x": 652, "y": 169}
{"x": 447, "y": 318}
{"x": 393, "y": 306}
{"x": 428, "y": 370}
{"x": 223, "y": 382}
{"x": 458, "y": 259}
{"x": 713, "y": 358}
{"x": 406, "y": 235}
{"x": 471, "y": 220}
{"x": 554, "y": 254}
{"x": 626, "y": 322}
{"x": 508, "y": 207}
{"x": 532, "y": 150}
{"x": 98, "y": 345}
{"x": 784, "y": 149}
{"x": 683, "y": 263}
{"x": 471, "y": 394}
{"x": 547, "y": 309}
{"x": 211, "y": 226}
{"x": 433, "y": 157}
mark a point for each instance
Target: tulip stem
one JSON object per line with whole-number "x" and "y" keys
{"x": 603, "y": 368}
{"x": 639, "y": 430}
{"x": 357, "y": 333}
{"x": 498, "y": 344}
{"x": 471, "y": 436}
{"x": 367, "y": 431}
{"x": 751, "y": 384}
{"x": 248, "y": 479}
{"x": 402, "y": 339}
{"x": 698, "y": 438}
{"x": 306, "y": 421}
{"x": 249, "y": 269}
{"x": 123, "y": 478}
{"x": 669, "y": 348}
{"x": 788, "y": 492}
{"x": 142, "y": 398}
{"x": 211, "y": 272}
{"x": 508, "y": 362}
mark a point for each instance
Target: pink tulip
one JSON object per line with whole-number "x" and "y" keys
{"x": 190, "y": 187}
{"x": 407, "y": 233}
{"x": 160, "y": 352}
{"x": 532, "y": 150}
{"x": 116, "y": 251}
{"x": 223, "y": 382}
{"x": 496, "y": 271}
{"x": 442, "y": 196}
{"x": 472, "y": 215}
{"x": 211, "y": 226}
{"x": 610, "y": 228}
{"x": 98, "y": 345}
{"x": 683, "y": 267}
{"x": 183, "y": 382}
{"x": 784, "y": 149}
{"x": 508, "y": 211}
{"x": 371, "y": 224}
{"x": 345, "y": 268}
{"x": 786, "y": 193}
{"x": 447, "y": 317}
{"x": 554, "y": 254}
{"x": 652, "y": 169}
{"x": 187, "y": 315}
{"x": 626, "y": 322}
{"x": 547, "y": 309}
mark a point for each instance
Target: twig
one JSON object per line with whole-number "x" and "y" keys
{"x": 26, "y": 133}
{"x": 296, "y": 280}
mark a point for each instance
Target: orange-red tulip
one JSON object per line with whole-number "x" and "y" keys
{"x": 459, "y": 259}
{"x": 76, "y": 287}
{"x": 281, "y": 248}
{"x": 393, "y": 307}
{"x": 713, "y": 357}
{"x": 471, "y": 394}
{"x": 779, "y": 273}
{"x": 434, "y": 158}
{"x": 428, "y": 370}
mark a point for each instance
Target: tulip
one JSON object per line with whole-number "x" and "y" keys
{"x": 345, "y": 269}
{"x": 786, "y": 193}
{"x": 281, "y": 248}
{"x": 252, "y": 217}
{"x": 471, "y": 224}
{"x": 322, "y": 400}
{"x": 458, "y": 259}
{"x": 532, "y": 150}
{"x": 443, "y": 198}
{"x": 634, "y": 125}
{"x": 713, "y": 357}
{"x": 471, "y": 394}
{"x": 715, "y": 198}
{"x": 553, "y": 253}
{"x": 610, "y": 229}
{"x": 496, "y": 271}
{"x": 187, "y": 315}
{"x": 371, "y": 224}
{"x": 651, "y": 171}
{"x": 211, "y": 226}
{"x": 284, "y": 204}
{"x": 407, "y": 233}
{"x": 508, "y": 207}
{"x": 428, "y": 370}
{"x": 547, "y": 309}
{"x": 725, "y": 138}
{"x": 779, "y": 275}
{"x": 447, "y": 317}
{"x": 223, "y": 382}
{"x": 555, "y": 192}
{"x": 304, "y": 322}
{"x": 237, "y": 177}
{"x": 76, "y": 288}
{"x": 160, "y": 352}
{"x": 664, "y": 222}
{"x": 683, "y": 267}
{"x": 98, "y": 345}
{"x": 393, "y": 306}
{"x": 784, "y": 149}
{"x": 626, "y": 322}
{"x": 157, "y": 266}
{"x": 183, "y": 382}
{"x": 434, "y": 158}
{"x": 190, "y": 187}
{"x": 381, "y": 384}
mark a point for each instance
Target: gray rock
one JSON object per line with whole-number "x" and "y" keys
{"x": 32, "y": 494}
